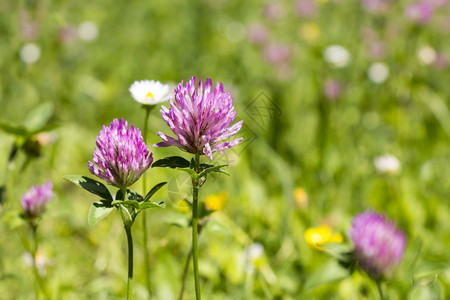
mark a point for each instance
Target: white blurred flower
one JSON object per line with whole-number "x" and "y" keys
{"x": 427, "y": 55}
{"x": 150, "y": 92}
{"x": 388, "y": 164}
{"x": 30, "y": 53}
{"x": 378, "y": 72}
{"x": 41, "y": 261}
{"x": 253, "y": 256}
{"x": 255, "y": 251}
{"x": 88, "y": 31}
{"x": 337, "y": 55}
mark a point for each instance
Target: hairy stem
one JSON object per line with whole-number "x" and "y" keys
{"x": 130, "y": 262}
{"x": 128, "y": 222}
{"x": 148, "y": 109}
{"x": 40, "y": 284}
{"x": 195, "y": 188}
{"x": 380, "y": 290}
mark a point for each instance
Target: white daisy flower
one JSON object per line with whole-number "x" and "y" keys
{"x": 378, "y": 72}
{"x": 388, "y": 164}
{"x": 150, "y": 92}
{"x": 337, "y": 56}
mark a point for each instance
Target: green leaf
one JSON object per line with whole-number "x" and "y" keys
{"x": 131, "y": 195}
{"x": 97, "y": 212}
{"x": 329, "y": 272}
{"x": 145, "y": 205}
{"x": 39, "y": 116}
{"x": 154, "y": 190}
{"x": 93, "y": 186}
{"x": 173, "y": 162}
{"x": 432, "y": 290}
{"x": 2, "y": 194}
{"x": 218, "y": 228}
{"x": 133, "y": 203}
{"x": 429, "y": 268}
{"x": 14, "y": 129}
{"x": 179, "y": 220}
{"x": 202, "y": 211}
{"x": 12, "y": 218}
{"x": 191, "y": 172}
{"x": 212, "y": 169}
{"x": 207, "y": 166}
{"x": 44, "y": 128}
{"x": 342, "y": 252}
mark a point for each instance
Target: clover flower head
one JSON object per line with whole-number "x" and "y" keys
{"x": 150, "y": 92}
{"x": 379, "y": 246}
{"x": 121, "y": 156}
{"x": 200, "y": 117}
{"x": 421, "y": 12}
{"x": 35, "y": 200}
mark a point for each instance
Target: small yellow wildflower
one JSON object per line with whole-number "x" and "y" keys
{"x": 301, "y": 198}
{"x": 310, "y": 32}
{"x": 183, "y": 206}
{"x": 216, "y": 201}
{"x": 322, "y": 235}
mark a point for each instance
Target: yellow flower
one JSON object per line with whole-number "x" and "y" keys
{"x": 321, "y": 235}
{"x": 183, "y": 206}
{"x": 310, "y": 32}
{"x": 301, "y": 198}
{"x": 216, "y": 201}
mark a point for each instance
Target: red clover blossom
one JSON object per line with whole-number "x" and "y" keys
{"x": 121, "y": 156}
{"x": 200, "y": 118}
{"x": 379, "y": 246}
{"x": 35, "y": 200}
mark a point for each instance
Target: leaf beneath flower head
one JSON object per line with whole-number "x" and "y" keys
{"x": 93, "y": 186}
{"x": 131, "y": 195}
{"x": 191, "y": 172}
{"x": 213, "y": 169}
{"x": 98, "y": 211}
{"x": 342, "y": 252}
{"x": 158, "y": 204}
{"x": 14, "y": 129}
{"x": 154, "y": 190}
{"x": 173, "y": 162}
{"x": 133, "y": 203}
{"x": 329, "y": 272}
{"x": 207, "y": 166}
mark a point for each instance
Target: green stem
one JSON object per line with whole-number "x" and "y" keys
{"x": 195, "y": 188}
{"x": 148, "y": 109}
{"x": 249, "y": 281}
{"x": 128, "y": 222}
{"x": 379, "y": 288}
{"x": 40, "y": 285}
{"x": 130, "y": 262}
{"x": 265, "y": 287}
{"x": 185, "y": 272}
{"x": 146, "y": 253}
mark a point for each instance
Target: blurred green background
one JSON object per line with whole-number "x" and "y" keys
{"x": 325, "y": 88}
